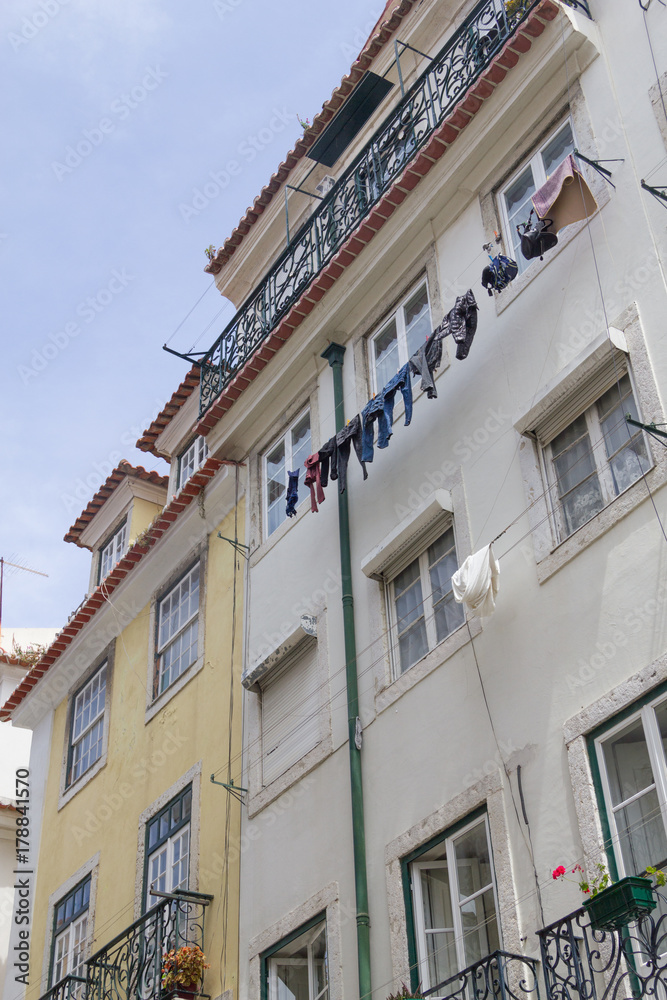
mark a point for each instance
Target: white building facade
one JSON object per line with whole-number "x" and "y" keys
{"x": 491, "y": 750}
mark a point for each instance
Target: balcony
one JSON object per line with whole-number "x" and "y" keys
{"x": 397, "y": 143}
{"x": 502, "y": 975}
{"x": 130, "y": 966}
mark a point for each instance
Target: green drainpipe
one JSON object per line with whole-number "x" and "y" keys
{"x": 334, "y": 355}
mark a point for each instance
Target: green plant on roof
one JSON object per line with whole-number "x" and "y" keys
{"x": 303, "y": 122}
{"x": 210, "y": 251}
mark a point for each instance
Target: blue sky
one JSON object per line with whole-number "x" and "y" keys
{"x": 114, "y": 116}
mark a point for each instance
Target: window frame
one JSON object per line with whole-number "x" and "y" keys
{"x": 601, "y": 461}
{"x": 396, "y": 314}
{"x": 70, "y": 782}
{"x": 111, "y": 541}
{"x": 168, "y": 839}
{"x": 199, "y": 446}
{"x": 195, "y": 569}
{"x": 75, "y": 919}
{"x": 531, "y": 159}
{"x": 286, "y": 439}
{"x": 417, "y": 952}
{"x": 266, "y": 957}
{"x": 426, "y": 603}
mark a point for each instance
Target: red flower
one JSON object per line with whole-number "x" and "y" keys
{"x": 558, "y": 872}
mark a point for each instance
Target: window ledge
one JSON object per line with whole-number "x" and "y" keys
{"x": 68, "y": 794}
{"x": 428, "y": 663}
{"x": 173, "y": 689}
{"x": 307, "y": 628}
{"x": 267, "y": 544}
{"x": 269, "y": 793}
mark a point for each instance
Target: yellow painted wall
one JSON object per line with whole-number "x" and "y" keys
{"x": 143, "y": 512}
{"x": 143, "y": 761}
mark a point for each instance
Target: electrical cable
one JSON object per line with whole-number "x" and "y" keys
{"x": 188, "y": 314}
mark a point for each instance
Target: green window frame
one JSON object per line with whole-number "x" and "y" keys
{"x": 268, "y": 957}
{"x": 70, "y": 929}
{"x": 612, "y": 743}
{"x": 412, "y": 864}
{"x": 167, "y": 847}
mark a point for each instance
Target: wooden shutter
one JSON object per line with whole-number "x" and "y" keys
{"x": 581, "y": 396}
{"x": 290, "y": 711}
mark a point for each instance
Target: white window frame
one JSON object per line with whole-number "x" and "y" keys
{"x": 113, "y": 551}
{"x": 602, "y": 462}
{"x": 194, "y": 573}
{"x": 73, "y": 937}
{"x": 457, "y": 904}
{"x": 535, "y": 162}
{"x": 191, "y": 459}
{"x": 286, "y": 439}
{"x": 275, "y": 960}
{"x": 658, "y": 767}
{"x": 76, "y": 739}
{"x": 427, "y": 604}
{"x": 398, "y": 317}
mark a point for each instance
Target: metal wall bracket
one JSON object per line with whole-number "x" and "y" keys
{"x": 651, "y": 429}
{"x": 595, "y": 164}
{"x": 657, "y": 192}
{"x": 238, "y": 546}
{"x": 234, "y": 790}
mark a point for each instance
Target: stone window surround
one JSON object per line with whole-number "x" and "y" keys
{"x": 388, "y": 689}
{"x": 66, "y": 793}
{"x": 489, "y": 197}
{"x": 327, "y": 900}
{"x": 551, "y": 555}
{"x": 90, "y": 867}
{"x": 576, "y": 731}
{"x": 155, "y": 705}
{"x": 489, "y": 793}
{"x": 193, "y": 777}
{"x": 259, "y": 796}
{"x": 307, "y": 398}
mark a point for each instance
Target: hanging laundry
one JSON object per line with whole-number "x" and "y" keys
{"x": 475, "y": 584}
{"x": 313, "y": 480}
{"x": 292, "y": 493}
{"x": 461, "y": 323}
{"x": 565, "y": 197}
{"x": 372, "y": 411}
{"x": 425, "y": 361}
{"x": 351, "y": 434}
{"x": 327, "y": 455}
{"x": 536, "y": 237}
{"x": 498, "y": 273}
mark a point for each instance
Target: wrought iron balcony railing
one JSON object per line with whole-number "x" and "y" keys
{"x": 500, "y": 975}
{"x": 427, "y": 104}
{"x": 130, "y": 966}
{"x": 580, "y": 963}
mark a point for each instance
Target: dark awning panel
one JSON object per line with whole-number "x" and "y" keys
{"x": 360, "y": 105}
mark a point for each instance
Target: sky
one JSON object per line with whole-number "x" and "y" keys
{"x": 118, "y": 120}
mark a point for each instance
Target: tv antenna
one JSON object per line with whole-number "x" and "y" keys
{"x": 3, "y": 563}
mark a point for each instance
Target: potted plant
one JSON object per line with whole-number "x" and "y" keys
{"x": 404, "y": 994}
{"x": 182, "y": 970}
{"x": 612, "y": 905}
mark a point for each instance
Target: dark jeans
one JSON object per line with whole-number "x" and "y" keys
{"x": 292, "y": 493}
{"x": 425, "y": 361}
{"x": 351, "y": 434}
{"x": 372, "y": 411}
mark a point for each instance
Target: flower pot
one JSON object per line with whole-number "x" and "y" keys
{"x": 621, "y": 903}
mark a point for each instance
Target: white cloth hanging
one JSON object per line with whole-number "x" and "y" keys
{"x": 475, "y": 584}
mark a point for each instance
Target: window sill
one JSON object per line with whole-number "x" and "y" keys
{"x": 603, "y": 521}
{"x": 269, "y": 793}
{"x": 267, "y": 544}
{"x": 173, "y": 689}
{"x": 428, "y": 663}
{"x": 67, "y": 794}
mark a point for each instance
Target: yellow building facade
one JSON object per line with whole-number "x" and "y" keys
{"x": 134, "y": 708}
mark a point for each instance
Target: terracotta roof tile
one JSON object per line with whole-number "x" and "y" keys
{"x": 102, "y": 593}
{"x": 123, "y": 471}
{"x": 147, "y": 440}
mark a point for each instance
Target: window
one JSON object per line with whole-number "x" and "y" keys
{"x": 454, "y": 903}
{"x": 70, "y": 933}
{"x": 290, "y": 711}
{"x": 287, "y": 455}
{"x": 87, "y": 728}
{"x": 515, "y": 197}
{"x": 168, "y": 848}
{"x": 177, "y": 630}
{"x": 399, "y": 337}
{"x": 297, "y": 968}
{"x": 595, "y": 457}
{"x": 191, "y": 459}
{"x": 112, "y": 551}
{"x": 422, "y": 605}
